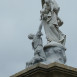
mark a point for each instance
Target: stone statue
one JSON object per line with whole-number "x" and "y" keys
{"x": 51, "y": 22}
{"x": 55, "y": 38}
{"x": 37, "y": 45}
{"x": 54, "y": 50}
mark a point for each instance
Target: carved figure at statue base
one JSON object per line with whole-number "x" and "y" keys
{"x": 39, "y": 55}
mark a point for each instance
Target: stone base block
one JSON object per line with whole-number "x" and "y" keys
{"x": 51, "y": 70}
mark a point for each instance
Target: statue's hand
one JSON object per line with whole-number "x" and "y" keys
{"x": 39, "y": 33}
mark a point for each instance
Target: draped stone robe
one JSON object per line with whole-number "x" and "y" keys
{"x": 51, "y": 24}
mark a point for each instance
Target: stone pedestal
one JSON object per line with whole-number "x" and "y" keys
{"x": 51, "y": 70}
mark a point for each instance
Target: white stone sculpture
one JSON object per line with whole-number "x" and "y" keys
{"x": 51, "y": 22}
{"x": 55, "y": 38}
{"x": 39, "y": 54}
{"x": 54, "y": 50}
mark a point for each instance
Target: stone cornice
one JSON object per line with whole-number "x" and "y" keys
{"x": 57, "y": 67}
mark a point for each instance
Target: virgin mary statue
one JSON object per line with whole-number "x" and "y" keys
{"x": 51, "y": 22}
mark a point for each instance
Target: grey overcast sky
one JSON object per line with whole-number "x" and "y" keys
{"x": 18, "y": 18}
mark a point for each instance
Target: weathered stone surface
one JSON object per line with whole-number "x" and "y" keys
{"x": 37, "y": 45}
{"x": 51, "y": 23}
{"x": 55, "y": 53}
{"x": 51, "y": 70}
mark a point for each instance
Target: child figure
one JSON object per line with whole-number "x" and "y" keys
{"x": 39, "y": 55}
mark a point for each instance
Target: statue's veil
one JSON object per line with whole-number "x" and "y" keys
{"x": 43, "y": 1}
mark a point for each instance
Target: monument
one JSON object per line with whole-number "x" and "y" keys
{"x": 54, "y": 50}
{"x": 49, "y": 60}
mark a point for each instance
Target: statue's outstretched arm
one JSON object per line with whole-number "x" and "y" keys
{"x": 40, "y": 27}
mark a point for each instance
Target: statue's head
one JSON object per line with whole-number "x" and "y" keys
{"x": 48, "y": 1}
{"x": 30, "y": 36}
